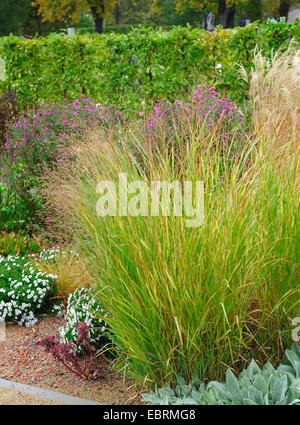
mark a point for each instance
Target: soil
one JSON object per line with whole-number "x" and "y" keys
{"x": 22, "y": 361}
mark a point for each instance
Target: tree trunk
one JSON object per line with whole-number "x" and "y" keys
{"x": 97, "y": 13}
{"x": 226, "y": 14}
{"x": 117, "y": 13}
{"x": 255, "y": 11}
{"x": 99, "y": 25}
{"x": 284, "y": 8}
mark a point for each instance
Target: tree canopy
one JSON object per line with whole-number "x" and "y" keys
{"x": 58, "y": 10}
{"x": 43, "y": 16}
{"x": 13, "y": 16}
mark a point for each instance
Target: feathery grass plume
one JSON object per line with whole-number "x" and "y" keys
{"x": 275, "y": 95}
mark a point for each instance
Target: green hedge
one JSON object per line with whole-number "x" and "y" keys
{"x": 144, "y": 64}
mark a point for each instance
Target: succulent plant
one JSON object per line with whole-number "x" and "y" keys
{"x": 254, "y": 386}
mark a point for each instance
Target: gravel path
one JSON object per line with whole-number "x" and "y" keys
{"x": 22, "y": 361}
{"x": 13, "y": 397}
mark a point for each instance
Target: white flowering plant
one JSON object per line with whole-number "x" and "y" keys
{"x": 51, "y": 254}
{"x": 24, "y": 290}
{"x": 58, "y": 309}
{"x": 84, "y": 307}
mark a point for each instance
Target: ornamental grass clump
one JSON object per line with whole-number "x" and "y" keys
{"x": 24, "y": 290}
{"x": 67, "y": 265}
{"x": 189, "y": 300}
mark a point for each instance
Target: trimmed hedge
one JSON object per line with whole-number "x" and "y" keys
{"x": 144, "y": 64}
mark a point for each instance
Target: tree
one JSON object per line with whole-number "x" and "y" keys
{"x": 34, "y": 24}
{"x": 58, "y": 10}
{"x": 13, "y": 16}
{"x": 132, "y": 12}
{"x": 224, "y": 9}
{"x": 284, "y": 8}
{"x": 226, "y": 12}
{"x": 253, "y": 10}
{"x": 170, "y": 13}
{"x": 279, "y": 7}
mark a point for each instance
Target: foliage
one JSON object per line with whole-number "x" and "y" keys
{"x": 20, "y": 17}
{"x": 58, "y": 10}
{"x": 17, "y": 243}
{"x": 32, "y": 143}
{"x": 123, "y": 69}
{"x": 14, "y": 215}
{"x": 133, "y": 12}
{"x": 223, "y": 9}
{"x": 36, "y": 142}
{"x": 24, "y": 290}
{"x": 13, "y": 16}
{"x": 254, "y": 386}
{"x": 273, "y": 6}
{"x": 64, "y": 353}
{"x": 2, "y": 71}
{"x": 167, "y": 10}
{"x": 167, "y": 122}
{"x": 84, "y": 307}
{"x": 9, "y": 111}
{"x": 253, "y": 10}
{"x": 34, "y": 25}
{"x": 268, "y": 38}
{"x": 268, "y": 6}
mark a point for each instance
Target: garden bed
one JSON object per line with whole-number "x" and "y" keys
{"x": 22, "y": 361}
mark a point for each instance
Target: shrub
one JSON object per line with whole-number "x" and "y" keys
{"x": 254, "y": 386}
{"x": 84, "y": 307}
{"x": 17, "y": 243}
{"x": 58, "y": 309}
{"x": 170, "y": 122}
{"x": 14, "y": 214}
{"x": 144, "y": 64}
{"x": 36, "y": 143}
{"x": 36, "y": 140}
{"x": 24, "y": 291}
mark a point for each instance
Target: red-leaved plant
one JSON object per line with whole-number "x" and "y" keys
{"x": 65, "y": 353}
